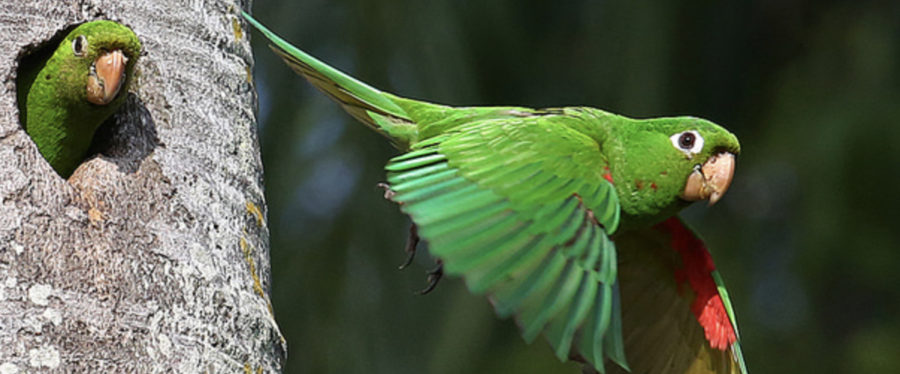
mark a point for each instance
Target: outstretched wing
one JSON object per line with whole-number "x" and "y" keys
{"x": 519, "y": 207}
{"x": 678, "y": 318}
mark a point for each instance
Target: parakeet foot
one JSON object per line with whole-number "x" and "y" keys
{"x": 411, "y": 244}
{"x": 388, "y": 192}
{"x": 433, "y": 277}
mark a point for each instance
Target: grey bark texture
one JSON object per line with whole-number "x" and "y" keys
{"x": 153, "y": 256}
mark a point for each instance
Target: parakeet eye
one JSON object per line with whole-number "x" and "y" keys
{"x": 79, "y": 46}
{"x": 690, "y": 142}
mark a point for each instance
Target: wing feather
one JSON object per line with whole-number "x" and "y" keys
{"x": 662, "y": 334}
{"x": 501, "y": 204}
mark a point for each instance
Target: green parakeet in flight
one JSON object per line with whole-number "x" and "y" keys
{"x": 64, "y": 96}
{"x": 564, "y": 218}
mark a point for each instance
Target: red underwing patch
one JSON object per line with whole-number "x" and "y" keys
{"x": 607, "y": 175}
{"x": 697, "y": 268}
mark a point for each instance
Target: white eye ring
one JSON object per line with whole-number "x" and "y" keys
{"x": 690, "y": 142}
{"x": 79, "y": 46}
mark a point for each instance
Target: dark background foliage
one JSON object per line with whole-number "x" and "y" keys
{"x": 806, "y": 239}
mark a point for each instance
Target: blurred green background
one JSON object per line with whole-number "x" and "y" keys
{"x": 807, "y": 238}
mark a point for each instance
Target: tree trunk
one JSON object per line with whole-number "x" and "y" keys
{"x": 153, "y": 256}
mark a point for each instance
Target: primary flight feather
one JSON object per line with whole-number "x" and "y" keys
{"x": 564, "y": 218}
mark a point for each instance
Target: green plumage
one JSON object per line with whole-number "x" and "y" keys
{"x": 52, "y": 93}
{"x": 524, "y": 203}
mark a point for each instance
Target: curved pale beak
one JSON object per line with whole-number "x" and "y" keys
{"x": 711, "y": 180}
{"x": 106, "y": 77}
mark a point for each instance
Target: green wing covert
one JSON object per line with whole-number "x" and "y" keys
{"x": 519, "y": 207}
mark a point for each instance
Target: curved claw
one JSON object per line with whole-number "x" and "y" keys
{"x": 433, "y": 277}
{"x": 411, "y": 244}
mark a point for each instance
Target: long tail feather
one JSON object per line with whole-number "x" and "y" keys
{"x": 374, "y": 108}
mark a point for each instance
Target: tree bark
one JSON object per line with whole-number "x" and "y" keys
{"x": 153, "y": 256}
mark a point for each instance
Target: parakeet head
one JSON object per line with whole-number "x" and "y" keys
{"x": 667, "y": 163}
{"x": 98, "y": 56}
{"x": 66, "y": 91}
